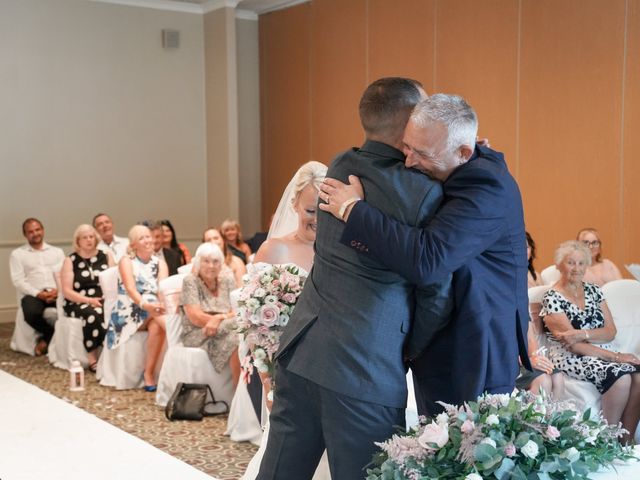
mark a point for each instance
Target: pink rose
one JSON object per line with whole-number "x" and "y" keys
{"x": 510, "y": 450}
{"x": 434, "y": 433}
{"x": 552, "y": 432}
{"x": 468, "y": 426}
{"x": 289, "y": 297}
{"x": 269, "y": 315}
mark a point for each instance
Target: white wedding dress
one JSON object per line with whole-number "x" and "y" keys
{"x": 322, "y": 472}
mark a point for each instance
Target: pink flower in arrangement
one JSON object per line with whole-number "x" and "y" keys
{"x": 467, "y": 426}
{"x": 289, "y": 297}
{"x": 552, "y": 432}
{"x": 434, "y": 433}
{"x": 510, "y": 450}
{"x": 269, "y": 315}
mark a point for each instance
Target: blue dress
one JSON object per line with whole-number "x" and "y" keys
{"x": 127, "y": 317}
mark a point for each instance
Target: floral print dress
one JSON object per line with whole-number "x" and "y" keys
{"x": 601, "y": 373}
{"x": 127, "y": 317}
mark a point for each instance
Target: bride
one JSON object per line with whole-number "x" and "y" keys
{"x": 290, "y": 240}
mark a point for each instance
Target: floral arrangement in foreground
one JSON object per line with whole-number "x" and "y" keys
{"x": 519, "y": 436}
{"x": 266, "y": 300}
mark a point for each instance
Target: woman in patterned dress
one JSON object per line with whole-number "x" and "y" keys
{"x": 208, "y": 322}
{"x": 81, "y": 288}
{"x": 138, "y": 306}
{"x": 581, "y": 326}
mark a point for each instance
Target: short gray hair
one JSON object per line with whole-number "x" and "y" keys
{"x": 454, "y": 113}
{"x": 571, "y": 246}
{"x": 209, "y": 250}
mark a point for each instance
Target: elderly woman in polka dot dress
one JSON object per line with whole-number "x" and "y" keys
{"x": 580, "y": 327}
{"x": 81, "y": 289}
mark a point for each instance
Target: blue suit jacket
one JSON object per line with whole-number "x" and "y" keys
{"x": 351, "y": 321}
{"x": 478, "y": 233}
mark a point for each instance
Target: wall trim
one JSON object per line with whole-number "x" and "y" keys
{"x": 201, "y": 9}
{"x": 8, "y": 313}
{"x": 282, "y": 6}
{"x": 246, "y": 15}
{"x": 158, "y": 5}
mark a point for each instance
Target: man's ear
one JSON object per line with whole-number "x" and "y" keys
{"x": 465, "y": 153}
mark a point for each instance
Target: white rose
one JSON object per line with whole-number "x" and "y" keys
{"x": 253, "y": 304}
{"x": 530, "y": 449}
{"x": 442, "y": 419}
{"x": 492, "y": 420}
{"x": 259, "y": 292}
{"x": 434, "y": 433}
{"x": 473, "y": 476}
{"x": 489, "y": 441}
{"x": 572, "y": 454}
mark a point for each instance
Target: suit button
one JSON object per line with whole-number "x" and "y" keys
{"x": 354, "y": 243}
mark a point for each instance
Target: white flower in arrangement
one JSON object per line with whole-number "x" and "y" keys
{"x": 283, "y": 320}
{"x": 259, "y": 292}
{"x": 253, "y": 304}
{"x": 271, "y": 299}
{"x": 473, "y": 476}
{"x": 492, "y": 420}
{"x": 572, "y": 454}
{"x": 530, "y": 449}
{"x": 442, "y": 419}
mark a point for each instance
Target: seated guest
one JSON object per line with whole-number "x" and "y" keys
{"x": 533, "y": 277}
{"x": 138, "y": 307}
{"x": 81, "y": 288}
{"x": 109, "y": 242}
{"x": 208, "y": 321}
{"x": 580, "y": 323}
{"x": 169, "y": 240}
{"x": 601, "y": 270}
{"x": 171, "y": 257}
{"x": 230, "y": 230}
{"x": 32, "y": 267}
{"x": 237, "y": 266}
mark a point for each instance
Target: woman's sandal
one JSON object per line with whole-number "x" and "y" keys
{"x": 93, "y": 366}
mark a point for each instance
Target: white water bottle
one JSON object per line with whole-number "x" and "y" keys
{"x": 76, "y": 377}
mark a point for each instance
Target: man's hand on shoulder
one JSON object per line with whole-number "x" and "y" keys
{"x": 339, "y": 198}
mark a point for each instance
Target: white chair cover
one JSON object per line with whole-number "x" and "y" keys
{"x": 186, "y": 364}
{"x": 122, "y": 367}
{"x": 24, "y": 337}
{"x": 550, "y": 275}
{"x": 66, "y": 344}
{"x": 185, "y": 268}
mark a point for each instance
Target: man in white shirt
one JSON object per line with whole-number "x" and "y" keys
{"x": 111, "y": 243}
{"x": 32, "y": 268}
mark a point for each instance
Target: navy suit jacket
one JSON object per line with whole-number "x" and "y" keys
{"x": 351, "y": 321}
{"x": 478, "y": 233}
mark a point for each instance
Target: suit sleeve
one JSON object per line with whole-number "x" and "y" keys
{"x": 434, "y": 301}
{"x": 469, "y": 220}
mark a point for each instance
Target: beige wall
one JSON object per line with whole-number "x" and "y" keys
{"x": 97, "y": 116}
{"x": 556, "y": 84}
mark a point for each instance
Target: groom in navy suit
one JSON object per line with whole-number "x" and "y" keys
{"x": 340, "y": 376}
{"x": 477, "y": 233}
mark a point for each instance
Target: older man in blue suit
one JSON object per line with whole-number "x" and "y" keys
{"x": 477, "y": 233}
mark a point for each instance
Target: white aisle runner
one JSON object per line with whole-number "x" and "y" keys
{"x": 44, "y": 437}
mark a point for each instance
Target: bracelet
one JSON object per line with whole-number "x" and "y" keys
{"x": 586, "y": 335}
{"x": 346, "y": 204}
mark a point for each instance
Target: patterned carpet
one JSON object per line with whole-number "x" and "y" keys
{"x": 200, "y": 444}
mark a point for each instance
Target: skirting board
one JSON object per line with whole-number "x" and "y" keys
{"x": 8, "y": 313}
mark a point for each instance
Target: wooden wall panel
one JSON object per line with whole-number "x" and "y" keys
{"x": 570, "y": 119}
{"x": 285, "y": 105}
{"x": 481, "y": 65}
{"x": 631, "y": 166}
{"x": 401, "y": 40}
{"x": 338, "y": 76}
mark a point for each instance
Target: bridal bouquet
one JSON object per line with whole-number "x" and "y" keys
{"x": 522, "y": 436}
{"x": 265, "y": 303}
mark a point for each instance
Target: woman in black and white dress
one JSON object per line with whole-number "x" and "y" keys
{"x": 581, "y": 326}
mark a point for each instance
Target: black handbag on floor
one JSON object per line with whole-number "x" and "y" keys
{"x": 189, "y": 402}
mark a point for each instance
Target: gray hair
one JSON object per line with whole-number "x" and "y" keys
{"x": 571, "y": 246}
{"x": 454, "y": 113}
{"x": 209, "y": 250}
